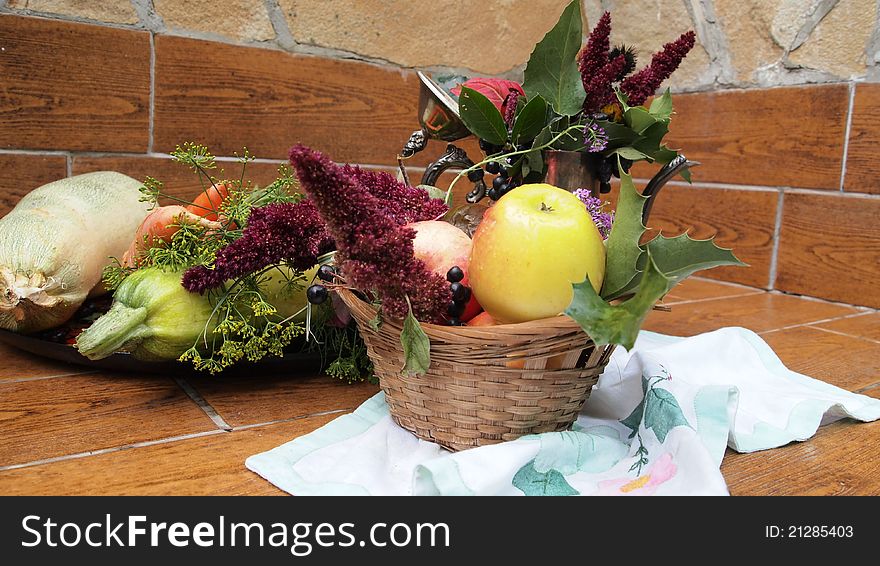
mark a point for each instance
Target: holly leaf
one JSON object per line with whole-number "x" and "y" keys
{"x": 617, "y": 324}
{"x": 639, "y": 119}
{"x": 680, "y": 256}
{"x": 481, "y": 117}
{"x": 532, "y": 482}
{"x": 662, "y": 412}
{"x": 530, "y": 121}
{"x": 661, "y": 107}
{"x": 552, "y": 70}
{"x": 685, "y": 174}
{"x": 623, "y": 254}
{"x": 618, "y": 134}
{"x": 416, "y": 345}
{"x": 630, "y": 153}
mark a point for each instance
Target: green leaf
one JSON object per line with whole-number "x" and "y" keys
{"x": 532, "y": 482}
{"x": 653, "y": 136}
{"x": 434, "y": 192}
{"x": 630, "y": 153}
{"x": 621, "y": 267}
{"x": 685, "y": 174}
{"x": 680, "y": 256}
{"x": 619, "y": 135}
{"x": 416, "y": 345}
{"x": 570, "y": 141}
{"x": 638, "y": 119}
{"x": 535, "y": 162}
{"x": 664, "y": 155}
{"x": 662, "y": 413}
{"x": 375, "y": 322}
{"x": 661, "y": 107}
{"x": 618, "y": 324}
{"x": 552, "y": 70}
{"x": 481, "y": 117}
{"x": 530, "y": 121}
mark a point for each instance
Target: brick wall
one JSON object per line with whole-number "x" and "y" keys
{"x": 789, "y": 176}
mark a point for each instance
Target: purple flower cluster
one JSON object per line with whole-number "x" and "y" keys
{"x": 276, "y": 232}
{"x": 596, "y": 208}
{"x": 374, "y": 247}
{"x": 595, "y": 137}
{"x": 645, "y": 83}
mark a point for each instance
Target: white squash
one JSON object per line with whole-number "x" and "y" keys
{"x": 56, "y": 242}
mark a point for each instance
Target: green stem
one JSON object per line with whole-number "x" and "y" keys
{"x": 476, "y": 166}
{"x": 121, "y": 326}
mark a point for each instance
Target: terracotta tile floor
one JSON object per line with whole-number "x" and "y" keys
{"x": 64, "y": 430}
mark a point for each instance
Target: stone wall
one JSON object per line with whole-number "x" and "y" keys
{"x": 742, "y": 43}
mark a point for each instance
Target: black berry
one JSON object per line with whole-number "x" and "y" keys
{"x": 455, "y": 274}
{"x": 455, "y": 310}
{"x": 317, "y": 294}
{"x": 498, "y": 183}
{"x": 489, "y": 148}
{"x": 475, "y": 175}
{"x": 454, "y": 322}
{"x": 493, "y": 167}
{"x": 326, "y": 272}
{"x": 493, "y": 194}
{"x": 502, "y": 172}
{"x": 460, "y": 293}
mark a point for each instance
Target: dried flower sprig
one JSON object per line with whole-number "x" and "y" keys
{"x": 374, "y": 252}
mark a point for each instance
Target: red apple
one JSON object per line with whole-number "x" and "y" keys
{"x": 443, "y": 246}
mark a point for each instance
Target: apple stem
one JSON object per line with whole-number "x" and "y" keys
{"x": 545, "y": 208}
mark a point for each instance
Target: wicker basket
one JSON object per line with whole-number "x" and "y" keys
{"x": 485, "y": 384}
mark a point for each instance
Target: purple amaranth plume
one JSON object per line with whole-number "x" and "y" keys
{"x": 599, "y": 91}
{"x": 642, "y": 85}
{"x": 274, "y": 233}
{"x": 594, "y": 55}
{"x": 374, "y": 252}
{"x": 296, "y": 233}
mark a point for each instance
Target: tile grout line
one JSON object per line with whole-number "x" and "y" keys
{"x": 802, "y": 324}
{"x": 167, "y": 440}
{"x": 839, "y": 333}
{"x": 152, "y": 110}
{"x": 846, "y": 133}
{"x": 203, "y": 404}
{"x": 777, "y": 232}
{"x": 705, "y": 299}
{"x": 102, "y": 451}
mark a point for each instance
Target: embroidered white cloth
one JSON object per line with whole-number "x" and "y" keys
{"x": 657, "y": 423}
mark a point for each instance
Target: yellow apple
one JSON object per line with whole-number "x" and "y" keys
{"x": 530, "y": 247}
